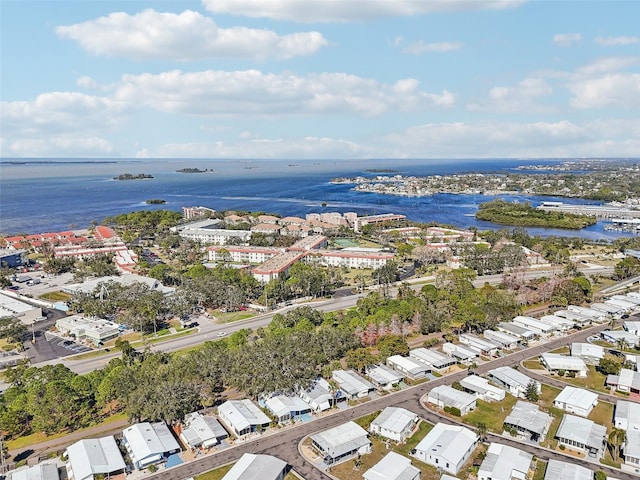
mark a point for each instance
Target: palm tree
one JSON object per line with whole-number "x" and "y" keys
{"x": 622, "y": 344}
{"x": 615, "y": 440}
{"x": 481, "y": 429}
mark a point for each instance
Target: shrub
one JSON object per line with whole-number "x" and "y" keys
{"x": 455, "y": 411}
{"x": 561, "y": 373}
{"x": 571, "y": 374}
{"x": 562, "y": 447}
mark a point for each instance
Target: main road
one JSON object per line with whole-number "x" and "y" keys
{"x": 284, "y": 443}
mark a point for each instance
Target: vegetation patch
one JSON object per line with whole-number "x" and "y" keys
{"x": 216, "y": 474}
{"x": 524, "y": 215}
{"x": 56, "y": 296}
{"x": 492, "y": 414}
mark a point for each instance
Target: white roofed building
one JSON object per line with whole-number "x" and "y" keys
{"x": 505, "y": 340}
{"x": 617, "y": 336}
{"x": 243, "y": 417}
{"x": 436, "y": 360}
{"x": 447, "y": 447}
{"x": 480, "y": 345}
{"x": 383, "y": 377}
{"x": 590, "y": 353}
{"x": 462, "y": 353}
{"x": 562, "y": 324}
{"x": 555, "y": 362}
{"x": 341, "y": 442}
{"x": 257, "y": 467}
{"x": 632, "y": 327}
{"x": 631, "y": 452}
{"x": 578, "y": 318}
{"x": 149, "y": 443}
{"x": 482, "y": 389}
{"x": 517, "y": 330}
{"x": 287, "y": 408}
{"x": 582, "y": 434}
{"x": 394, "y": 423}
{"x": 408, "y": 366}
{"x": 446, "y": 396}
{"x": 94, "y": 457}
{"x": 576, "y": 400}
{"x": 41, "y": 471}
{"x": 393, "y": 466}
{"x": 535, "y": 325}
{"x": 627, "y": 415}
{"x": 593, "y": 314}
{"x": 513, "y": 381}
{"x": 351, "y": 384}
{"x": 527, "y": 419}
{"x": 557, "y": 470}
{"x": 202, "y": 431}
{"x": 318, "y": 395}
{"x": 504, "y": 463}
{"x": 627, "y": 381}
{"x": 94, "y": 330}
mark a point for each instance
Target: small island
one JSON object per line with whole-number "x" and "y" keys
{"x": 524, "y": 215}
{"x": 381, "y": 170}
{"x": 155, "y": 201}
{"x": 195, "y": 170}
{"x": 129, "y": 176}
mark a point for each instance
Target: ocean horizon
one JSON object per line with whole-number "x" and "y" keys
{"x": 47, "y": 194}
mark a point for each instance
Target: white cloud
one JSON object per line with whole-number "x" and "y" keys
{"x": 566, "y": 39}
{"x": 64, "y": 146}
{"x": 616, "y": 41}
{"x": 419, "y": 47}
{"x": 612, "y": 90}
{"x": 511, "y": 139}
{"x": 60, "y": 112}
{"x": 305, "y": 147}
{"x": 516, "y": 99}
{"x": 252, "y": 92}
{"x": 607, "y": 65}
{"x": 185, "y": 36}
{"x": 322, "y": 11}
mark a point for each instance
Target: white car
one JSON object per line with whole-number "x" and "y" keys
{"x": 221, "y": 334}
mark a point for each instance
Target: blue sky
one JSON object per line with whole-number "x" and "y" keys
{"x": 320, "y": 79}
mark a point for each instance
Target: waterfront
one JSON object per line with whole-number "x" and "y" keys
{"x": 38, "y": 197}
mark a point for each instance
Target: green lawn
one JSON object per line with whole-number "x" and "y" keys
{"x": 532, "y": 364}
{"x": 540, "y": 469}
{"x": 593, "y": 381}
{"x": 56, "y": 296}
{"x": 410, "y": 444}
{"x": 228, "y": 317}
{"x": 492, "y": 414}
{"x": 216, "y": 474}
{"x": 602, "y": 414}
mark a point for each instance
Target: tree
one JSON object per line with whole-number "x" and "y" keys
{"x": 600, "y": 475}
{"x": 626, "y": 268}
{"x": 531, "y": 392}
{"x": 615, "y": 440}
{"x": 610, "y": 365}
{"x": 392, "y": 345}
{"x": 481, "y": 429}
{"x": 359, "y": 359}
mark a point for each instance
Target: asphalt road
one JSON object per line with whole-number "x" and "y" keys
{"x": 284, "y": 444}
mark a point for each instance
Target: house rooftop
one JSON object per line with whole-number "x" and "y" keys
{"x": 394, "y": 419}
{"x": 510, "y": 376}
{"x": 582, "y": 431}
{"x": 393, "y": 466}
{"x": 95, "y": 456}
{"x": 501, "y": 461}
{"x": 577, "y": 397}
{"x": 450, "y": 442}
{"x": 566, "y": 471}
{"x": 529, "y": 417}
{"x": 256, "y": 467}
{"x": 350, "y": 382}
{"x": 342, "y": 439}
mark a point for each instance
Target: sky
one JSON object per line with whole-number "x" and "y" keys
{"x": 316, "y": 79}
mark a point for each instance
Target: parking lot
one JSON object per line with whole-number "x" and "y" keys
{"x": 59, "y": 342}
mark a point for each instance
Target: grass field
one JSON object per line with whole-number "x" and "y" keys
{"x": 229, "y": 317}
{"x": 55, "y": 296}
{"x": 492, "y": 414}
{"x": 593, "y": 381}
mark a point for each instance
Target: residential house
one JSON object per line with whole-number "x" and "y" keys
{"x": 41, "y": 471}
{"x": 383, "y": 377}
{"x": 627, "y": 415}
{"x": 595, "y": 315}
{"x": 94, "y": 457}
{"x": 576, "y": 400}
{"x": 409, "y": 367}
{"x": 505, "y": 340}
{"x": 393, "y": 466}
{"x": 447, "y": 447}
{"x": 566, "y": 471}
{"x": 257, "y": 467}
{"x": 503, "y": 462}
{"x": 536, "y": 326}
{"x": 561, "y": 324}
{"x": 243, "y": 417}
{"x": 287, "y": 408}
{"x": 351, "y": 384}
{"x": 394, "y": 423}
{"x": 578, "y": 318}
{"x": 527, "y": 419}
{"x": 436, "y": 360}
{"x": 202, "y": 431}
{"x": 482, "y": 389}
{"x": 632, "y": 327}
{"x": 609, "y": 309}
{"x": 149, "y": 443}
{"x": 582, "y": 434}
{"x": 318, "y": 395}
{"x": 482, "y": 346}
{"x": 627, "y": 381}
{"x": 631, "y": 452}
{"x": 555, "y": 363}
{"x": 513, "y": 381}
{"x": 517, "y": 330}
{"x": 589, "y": 352}
{"x": 616, "y": 336}
{"x": 462, "y": 354}
{"x": 341, "y": 443}
{"x": 445, "y": 396}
